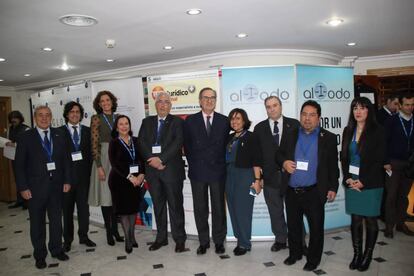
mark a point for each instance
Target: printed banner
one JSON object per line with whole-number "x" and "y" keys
{"x": 247, "y": 88}
{"x": 333, "y": 88}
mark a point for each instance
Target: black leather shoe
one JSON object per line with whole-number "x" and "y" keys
{"x": 41, "y": 263}
{"x": 157, "y": 245}
{"x": 388, "y": 234}
{"x": 220, "y": 248}
{"x": 238, "y": 251}
{"x": 88, "y": 242}
{"x": 61, "y": 257}
{"x": 309, "y": 267}
{"x": 179, "y": 247}
{"x": 135, "y": 244}
{"x": 66, "y": 246}
{"x": 278, "y": 246}
{"x": 404, "y": 229}
{"x": 109, "y": 239}
{"x": 202, "y": 249}
{"x": 128, "y": 248}
{"x": 118, "y": 237}
{"x": 291, "y": 260}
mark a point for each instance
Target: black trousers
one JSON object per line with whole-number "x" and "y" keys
{"x": 201, "y": 211}
{"x": 397, "y": 187}
{"x": 163, "y": 192}
{"x": 79, "y": 195}
{"x": 309, "y": 204}
{"x": 39, "y": 205}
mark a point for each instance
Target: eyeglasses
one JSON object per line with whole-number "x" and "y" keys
{"x": 212, "y": 98}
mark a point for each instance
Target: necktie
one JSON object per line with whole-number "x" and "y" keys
{"x": 276, "y": 133}
{"x": 208, "y": 128}
{"x": 76, "y": 136}
{"x": 47, "y": 142}
{"x": 160, "y": 126}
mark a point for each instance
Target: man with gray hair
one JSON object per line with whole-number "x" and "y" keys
{"x": 160, "y": 142}
{"x": 42, "y": 176}
{"x": 270, "y": 135}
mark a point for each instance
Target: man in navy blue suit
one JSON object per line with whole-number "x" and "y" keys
{"x": 205, "y": 136}
{"x": 42, "y": 176}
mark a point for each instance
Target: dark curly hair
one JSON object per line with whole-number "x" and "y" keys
{"x": 115, "y": 132}
{"x": 97, "y": 99}
{"x": 15, "y": 114}
{"x": 69, "y": 106}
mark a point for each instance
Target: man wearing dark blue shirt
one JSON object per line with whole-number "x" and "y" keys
{"x": 311, "y": 159}
{"x": 400, "y": 146}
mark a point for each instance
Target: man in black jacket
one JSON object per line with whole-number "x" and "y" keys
{"x": 43, "y": 175}
{"x": 311, "y": 158}
{"x": 160, "y": 142}
{"x": 388, "y": 110}
{"x": 78, "y": 138}
{"x": 270, "y": 135}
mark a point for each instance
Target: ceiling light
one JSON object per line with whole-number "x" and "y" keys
{"x": 78, "y": 20}
{"x": 351, "y": 44}
{"x": 27, "y": 75}
{"x": 242, "y": 35}
{"x": 110, "y": 60}
{"x": 334, "y": 22}
{"x": 2, "y": 59}
{"x": 168, "y": 47}
{"x": 64, "y": 66}
{"x": 1, "y": 80}
{"x": 47, "y": 49}
{"x": 193, "y": 11}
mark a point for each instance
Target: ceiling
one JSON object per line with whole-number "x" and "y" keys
{"x": 142, "y": 28}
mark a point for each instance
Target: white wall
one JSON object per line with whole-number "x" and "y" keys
{"x": 20, "y": 101}
{"x": 362, "y": 64}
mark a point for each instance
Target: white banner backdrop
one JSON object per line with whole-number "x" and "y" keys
{"x": 130, "y": 102}
{"x": 184, "y": 89}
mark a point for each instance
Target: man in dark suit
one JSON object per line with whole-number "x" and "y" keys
{"x": 310, "y": 156}
{"x": 205, "y": 136}
{"x": 78, "y": 139}
{"x": 160, "y": 141}
{"x": 270, "y": 135}
{"x": 389, "y": 109}
{"x": 43, "y": 175}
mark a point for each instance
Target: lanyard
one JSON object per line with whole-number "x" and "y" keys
{"x": 130, "y": 151}
{"x": 77, "y": 146}
{"x": 235, "y": 140}
{"x": 405, "y": 130}
{"x": 354, "y": 140}
{"x": 107, "y": 121}
{"x": 48, "y": 152}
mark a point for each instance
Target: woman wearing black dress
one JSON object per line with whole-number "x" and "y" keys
{"x": 126, "y": 177}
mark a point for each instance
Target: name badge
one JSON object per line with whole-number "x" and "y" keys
{"x": 51, "y": 166}
{"x": 354, "y": 170}
{"x": 302, "y": 165}
{"x": 133, "y": 169}
{"x": 76, "y": 156}
{"x": 156, "y": 149}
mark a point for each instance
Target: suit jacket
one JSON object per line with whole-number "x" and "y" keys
{"x": 247, "y": 152}
{"x": 171, "y": 141}
{"x": 328, "y": 172}
{"x": 81, "y": 170}
{"x": 371, "y": 170}
{"x": 31, "y": 160}
{"x": 206, "y": 154}
{"x": 268, "y": 148}
{"x": 382, "y": 116}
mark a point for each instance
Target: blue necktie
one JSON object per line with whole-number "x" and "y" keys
{"x": 47, "y": 142}
{"x": 276, "y": 133}
{"x": 160, "y": 126}
{"x": 76, "y": 136}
